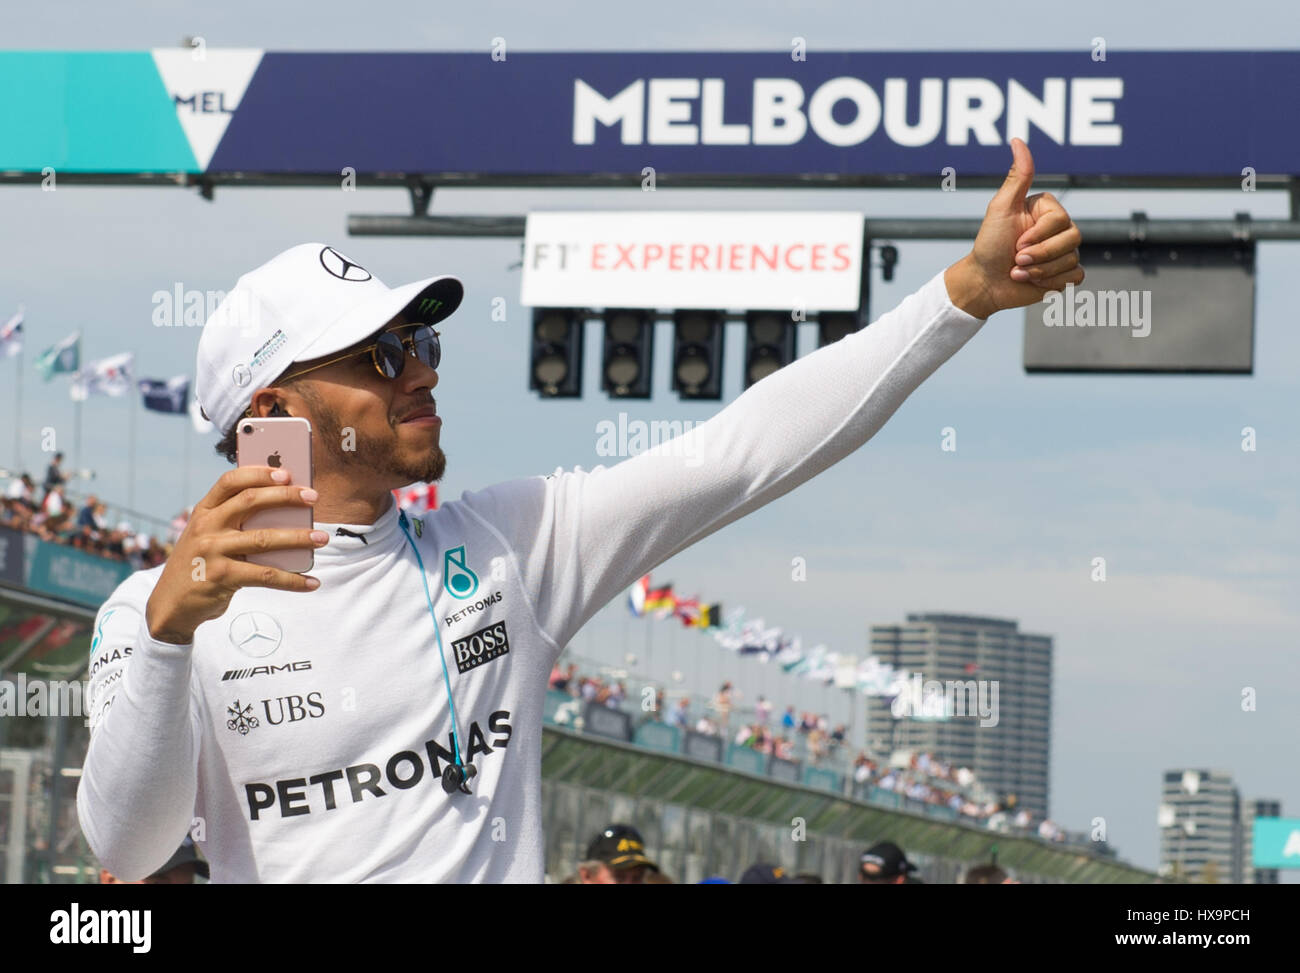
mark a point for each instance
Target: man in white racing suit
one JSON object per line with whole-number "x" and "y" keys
{"x": 321, "y": 727}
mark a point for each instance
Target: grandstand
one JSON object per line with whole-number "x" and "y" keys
{"x": 708, "y": 804}
{"x": 52, "y": 580}
{"x": 701, "y": 818}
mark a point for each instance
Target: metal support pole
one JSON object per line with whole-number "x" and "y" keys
{"x": 1115, "y": 231}
{"x": 421, "y": 196}
{"x": 456, "y": 226}
{"x": 864, "y": 284}
{"x": 47, "y": 858}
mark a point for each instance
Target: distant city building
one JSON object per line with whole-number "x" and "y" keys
{"x": 1259, "y": 808}
{"x": 1200, "y": 823}
{"x": 972, "y": 655}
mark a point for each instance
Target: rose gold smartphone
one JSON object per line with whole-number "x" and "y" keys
{"x": 286, "y": 443}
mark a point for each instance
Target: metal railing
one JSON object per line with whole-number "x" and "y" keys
{"x": 647, "y": 731}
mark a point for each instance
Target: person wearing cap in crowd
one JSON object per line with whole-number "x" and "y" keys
{"x": 616, "y": 856}
{"x": 762, "y": 874}
{"x": 885, "y": 864}
{"x": 180, "y": 869}
{"x": 441, "y": 629}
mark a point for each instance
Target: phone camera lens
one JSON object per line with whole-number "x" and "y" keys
{"x": 247, "y": 429}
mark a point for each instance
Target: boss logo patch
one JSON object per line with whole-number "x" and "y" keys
{"x": 479, "y": 647}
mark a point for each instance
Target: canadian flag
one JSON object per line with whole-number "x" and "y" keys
{"x": 418, "y": 498}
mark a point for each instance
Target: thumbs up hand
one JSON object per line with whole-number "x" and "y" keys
{"x": 1025, "y": 247}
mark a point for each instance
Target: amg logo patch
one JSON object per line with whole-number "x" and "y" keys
{"x": 302, "y": 666}
{"x": 479, "y": 647}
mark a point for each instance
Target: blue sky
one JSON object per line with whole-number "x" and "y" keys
{"x": 1200, "y": 537}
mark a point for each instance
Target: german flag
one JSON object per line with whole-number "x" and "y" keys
{"x": 660, "y": 599}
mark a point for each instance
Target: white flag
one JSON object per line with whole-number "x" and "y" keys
{"x": 108, "y": 376}
{"x": 11, "y": 335}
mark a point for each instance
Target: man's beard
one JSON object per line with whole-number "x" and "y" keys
{"x": 373, "y": 456}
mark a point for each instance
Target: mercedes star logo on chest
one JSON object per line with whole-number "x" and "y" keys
{"x": 255, "y": 633}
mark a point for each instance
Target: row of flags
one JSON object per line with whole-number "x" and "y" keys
{"x": 643, "y": 600}
{"x": 112, "y": 376}
{"x": 868, "y": 676}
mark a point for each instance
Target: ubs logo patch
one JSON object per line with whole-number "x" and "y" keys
{"x": 479, "y": 647}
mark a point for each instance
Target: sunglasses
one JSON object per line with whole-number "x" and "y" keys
{"x": 389, "y": 353}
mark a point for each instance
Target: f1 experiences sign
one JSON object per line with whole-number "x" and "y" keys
{"x": 709, "y": 116}
{"x": 728, "y": 260}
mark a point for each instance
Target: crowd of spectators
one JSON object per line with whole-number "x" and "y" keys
{"x": 588, "y": 689}
{"x": 57, "y": 519}
{"x": 927, "y": 779}
{"x": 820, "y": 741}
{"x": 921, "y": 777}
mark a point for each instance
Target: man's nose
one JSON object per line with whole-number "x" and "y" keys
{"x": 417, "y": 375}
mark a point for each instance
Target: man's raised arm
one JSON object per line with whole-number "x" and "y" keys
{"x": 585, "y": 536}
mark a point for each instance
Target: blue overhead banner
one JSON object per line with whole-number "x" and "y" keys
{"x": 765, "y": 117}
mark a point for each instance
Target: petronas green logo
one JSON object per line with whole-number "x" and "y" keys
{"x": 457, "y": 578}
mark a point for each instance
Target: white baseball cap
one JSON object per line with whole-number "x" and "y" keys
{"x": 308, "y": 302}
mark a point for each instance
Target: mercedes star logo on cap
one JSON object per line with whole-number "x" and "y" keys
{"x": 341, "y": 267}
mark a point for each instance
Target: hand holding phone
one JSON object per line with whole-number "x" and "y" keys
{"x": 241, "y": 532}
{"x": 284, "y": 444}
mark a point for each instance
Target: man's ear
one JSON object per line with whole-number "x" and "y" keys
{"x": 267, "y": 403}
